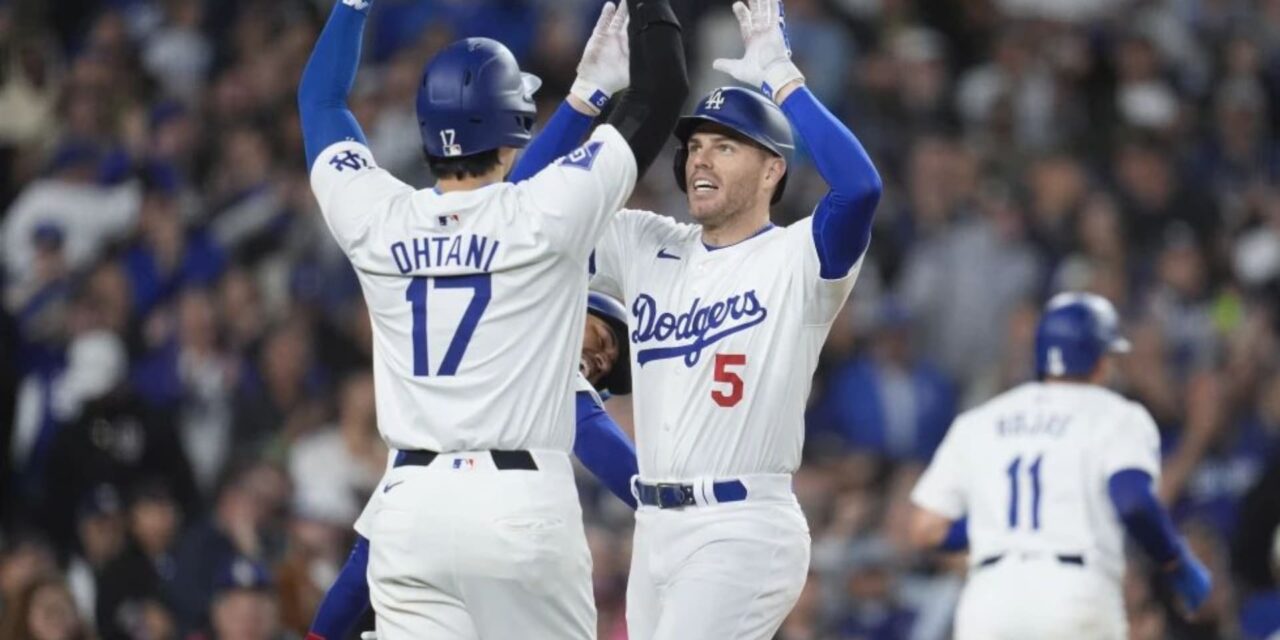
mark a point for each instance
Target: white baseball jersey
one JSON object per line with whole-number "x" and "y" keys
{"x": 1030, "y": 470}
{"x": 724, "y": 342}
{"x": 476, "y": 297}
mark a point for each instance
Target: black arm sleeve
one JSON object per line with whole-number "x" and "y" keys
{"x": 647, "y": 113}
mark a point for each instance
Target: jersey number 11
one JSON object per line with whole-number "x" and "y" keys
{"x": 1033, "y": 476}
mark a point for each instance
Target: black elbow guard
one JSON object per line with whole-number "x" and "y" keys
{"x": 647, "y": 13}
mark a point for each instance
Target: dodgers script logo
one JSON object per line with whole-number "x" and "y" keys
{"x": 693, "y": 330}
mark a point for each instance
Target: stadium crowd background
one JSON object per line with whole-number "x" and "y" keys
{"x": 188, "y": 424}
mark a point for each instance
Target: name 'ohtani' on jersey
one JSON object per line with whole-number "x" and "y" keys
{"x": 699, "y": 327}
{"x": 469, "y": 250}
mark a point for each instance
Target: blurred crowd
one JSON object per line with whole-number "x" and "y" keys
{"x": 187, "y": 412}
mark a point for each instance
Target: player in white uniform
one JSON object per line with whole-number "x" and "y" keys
{"x": 727, "y": 319}
{"x": 1049, "y": 475}
{"x": 475, "y": 290}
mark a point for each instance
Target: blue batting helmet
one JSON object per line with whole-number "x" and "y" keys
{"x": 618, "y": 380}
{"x": 1075, "y": 332}
{"x": 474, "y": 98}
{"x": 746, "y": 112}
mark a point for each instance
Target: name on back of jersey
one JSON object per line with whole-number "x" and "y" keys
{"x": 661, "y": 334}
{"x": 1051, "y": 425}
{"x": 462, "y": 250}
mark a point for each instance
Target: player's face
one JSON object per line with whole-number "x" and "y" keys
{"x": 726, "y": 176}
{"x": 599, "y": 349}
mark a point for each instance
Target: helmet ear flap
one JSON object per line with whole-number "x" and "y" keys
{"x": 678, "y": 165}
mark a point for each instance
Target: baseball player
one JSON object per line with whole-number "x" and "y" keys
{"x": 600, "y": 445}
{"x": 474, "y": 289}
{"x": 727, "y": 317}
{"x": 1049, "y": 475}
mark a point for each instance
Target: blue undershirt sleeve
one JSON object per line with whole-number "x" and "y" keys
{"x": 1142, "y": 516}
{"x": 842, "y": 220}
{"x": 563, "y": 132}
{"x": 604, "y": 449}
{"x": 327, "y": 79}
{"x": 957, "y": 536}
{"x": 348, "y": 598}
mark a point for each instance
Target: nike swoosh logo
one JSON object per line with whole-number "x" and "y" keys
{"x": 391, "y": 485}
{"x": 662, "y": 253}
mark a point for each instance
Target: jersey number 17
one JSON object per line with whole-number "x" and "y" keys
{"x": 416, "y": 295}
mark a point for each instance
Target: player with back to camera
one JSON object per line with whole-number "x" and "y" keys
{"x": 1048, "y": 476}
{"x": 475, "y": 290}
{"x": 727, "y": 318}
{"x": 600, "y": 445}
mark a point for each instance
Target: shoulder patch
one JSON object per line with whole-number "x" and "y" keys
{"x": 348, "y": 159}
{"x": 582, "y": 157}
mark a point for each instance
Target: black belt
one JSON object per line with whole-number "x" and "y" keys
{"x": 502, "y": 459}
{"x": 1075, "y": 559}
{"x": 668, "y": 495}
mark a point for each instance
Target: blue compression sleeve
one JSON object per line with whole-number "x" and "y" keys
{"x": 604, "y": 449}
{"x": 563, "y": 132}
{"x": 842, "y": 221}
{"x": 327, "y": 79}
{"x": 346, "y": 600}
{"x": 1142, "y": 515}
{"x": 957, "y": 536}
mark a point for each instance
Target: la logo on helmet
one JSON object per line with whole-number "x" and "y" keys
{"x": 715, "y": 100}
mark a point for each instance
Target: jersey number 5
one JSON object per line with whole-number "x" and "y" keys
{"x": 731, "y": 378}
{"x": 416, "y": 295}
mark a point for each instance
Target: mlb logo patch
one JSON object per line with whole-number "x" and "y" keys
{"x": 582, "y": 157}
{"x": 464, "y": 464}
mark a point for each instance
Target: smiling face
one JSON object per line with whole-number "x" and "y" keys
{"x": 599, "y": 349}
{"x": 727, "y": 175}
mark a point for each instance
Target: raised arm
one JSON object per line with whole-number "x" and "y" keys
{"x": 647, "y": 113}
{"x": 842, "y": 220}
{"x": 602, "y": 73}
{"x": 327, "y": 79}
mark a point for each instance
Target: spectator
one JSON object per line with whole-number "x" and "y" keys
{"x": 45, "y": 611}
{"x": 191, "y": 375}
{"x": 890, "y": 402}
{"x": 242, "y": 607}
{"x": 100, "y": 541}
{"x": 136, "y": 587}
{"x": 242, "y": 513}
{"x": 337, "y": 467}
{"x": 72, "y": 199}
{"x": 111, "y": 438}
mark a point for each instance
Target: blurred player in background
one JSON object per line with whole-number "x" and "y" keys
{"x": 474, "y": 288}
{"x": 600, "y": 445}
{"x": 1049, "y": 476}
{"x": 727, "y": 319}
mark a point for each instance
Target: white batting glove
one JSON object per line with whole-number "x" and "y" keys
{"x": 605, "y": 68}
{"x": 767, "y": 61}
{"x": 368, "y": 635}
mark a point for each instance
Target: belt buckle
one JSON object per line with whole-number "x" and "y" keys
{"x": 671, "y": 495}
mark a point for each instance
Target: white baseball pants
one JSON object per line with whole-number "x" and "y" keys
{"x": 1040, "y": 597}
{"x": 460, "y": 550}
{"x": 728, "y": 571}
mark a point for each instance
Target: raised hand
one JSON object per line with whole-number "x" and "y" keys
{"x": 767, "y": 60}
{"x": 605, "y": 66}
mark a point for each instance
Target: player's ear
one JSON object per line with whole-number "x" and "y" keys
{"x": 774, "y": 169}
{"x": 507, "y": 158}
